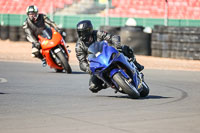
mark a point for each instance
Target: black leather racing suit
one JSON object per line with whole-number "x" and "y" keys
{"x": 81, "y": 53}
{"x": 33, "y": 29}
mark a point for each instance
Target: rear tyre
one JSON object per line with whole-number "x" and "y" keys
{"x": 127, "y": 87}
{"x": 145, "y": 90}
{"x": 64, "y": 62}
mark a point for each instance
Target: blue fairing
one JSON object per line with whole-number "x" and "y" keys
{"x": 102, "y": 56}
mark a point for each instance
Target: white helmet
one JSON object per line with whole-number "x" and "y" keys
{"x": 32, "y": 9}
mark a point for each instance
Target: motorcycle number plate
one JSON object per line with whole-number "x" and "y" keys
{"x": 97, "y": 54}
{"x": 57, "y": 50}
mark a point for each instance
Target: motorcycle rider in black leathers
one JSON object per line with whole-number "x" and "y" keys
{"x": 33, "y": 26}
{"x": 86, "y": 36}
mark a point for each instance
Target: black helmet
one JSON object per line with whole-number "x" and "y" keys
{"x": 32, "y": 9}
{"x": 84, "y": 29}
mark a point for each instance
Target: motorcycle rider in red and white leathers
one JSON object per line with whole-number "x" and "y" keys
{"x": 86, "y": 36}
{"x": 33, "y": 26}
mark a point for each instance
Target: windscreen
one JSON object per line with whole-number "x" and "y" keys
{"x": 47, "y": 33}
{"x": 95, "y": 49}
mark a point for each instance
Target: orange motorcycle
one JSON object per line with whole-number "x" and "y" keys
{"x": 54, "y": 50}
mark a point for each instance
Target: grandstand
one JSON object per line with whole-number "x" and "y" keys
{"x": 145, "y": 12}
{"x": 177, "y": 9}
{"x": 153, "y": 9}
{"x": 82, "y": 7}
{"x": 45, "y": 6}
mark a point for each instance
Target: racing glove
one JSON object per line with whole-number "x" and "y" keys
{"x": 88, "y": 70}
{"x": 63, "y": 34}
{"x": 118, "y": 46}
{"x": 36, "y": 45}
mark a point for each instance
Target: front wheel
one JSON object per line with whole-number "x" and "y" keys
{"x": 145, "y": 90}
{"x": 59, "y": 70}
{"x": 127, "y": 87}
{"x": 64, "y": 62}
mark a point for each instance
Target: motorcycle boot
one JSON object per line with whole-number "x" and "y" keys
{"x": 94, "y": 89}
{"x": 127, "y": 51}
{"x": 96, "y": 84}
{"x": 35, "y": 52}
{"x": 139, "y": 66}
{"x": 44, "y": 63}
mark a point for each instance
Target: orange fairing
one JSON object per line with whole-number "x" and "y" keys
{"x": 48, "y": 44}
{"x": 49, "y": 60}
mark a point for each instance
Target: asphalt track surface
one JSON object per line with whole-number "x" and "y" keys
{"x": 34, "y": 99}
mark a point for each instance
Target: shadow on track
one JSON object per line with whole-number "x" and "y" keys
{"x": 1, "y": 93}
{"x": 77, "y": 72}
{"x": 155, "y": 97}
{"x": 142, "y": 98}
{"x": 73, "y": 72}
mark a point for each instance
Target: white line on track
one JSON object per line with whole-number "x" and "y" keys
{"x": 3, "y": 80}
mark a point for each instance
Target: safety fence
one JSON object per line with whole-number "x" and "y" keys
{"x": 71, "y": 21}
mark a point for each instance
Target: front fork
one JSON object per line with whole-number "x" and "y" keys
{"x": 115, "y": 85}
{"x": 136, "y": 80}
{"x": 54, "y": 51}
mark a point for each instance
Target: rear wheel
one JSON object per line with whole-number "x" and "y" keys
{"x": 64, "y": 62}
{"x": 127, "y": 87}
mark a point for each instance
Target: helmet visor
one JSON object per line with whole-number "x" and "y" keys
{"x": 84, "y": 35}
{"x": 32, "y": 15}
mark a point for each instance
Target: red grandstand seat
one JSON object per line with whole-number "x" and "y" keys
{"x": 3, "y": 2}
{"x": 156, "y": 8}
{"x": 115, "y": 3}
{"x": 43, "y": 5}
{"x": 59, "y": 4}
{"x": 68, "y": 2}
{"x": 3, "y": 9}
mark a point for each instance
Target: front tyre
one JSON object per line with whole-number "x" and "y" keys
{"x": 59, "y": 70}
{"x": 145, "y": 90}
{"x": 64, "y": 62}
{"x": 127, "y": 87}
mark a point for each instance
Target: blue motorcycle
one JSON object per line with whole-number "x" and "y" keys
{"x": 116, "y": 70}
